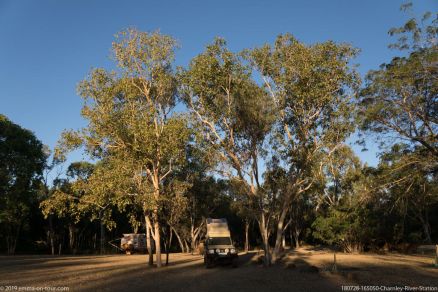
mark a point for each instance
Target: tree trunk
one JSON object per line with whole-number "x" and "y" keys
{"x": 52, "y": 242}
{"x": 246, "y": 236}
{"x": 297, "y": 232}
{"x": 10, "y": 244}
{"x": 166, "y": 249}
{"x": 71, "y": 237}
{"x": 14, "y": 244}
{"x": 157, "y": 239}
{"x": 426, "y": 228}
{"x": 335, "y": 265}
{"x": 194, "y": 242}
{"x": 81, "y": 239}
{"x": 283, "y": 241}
{"x": 279, "y": 234}
{"x": 192, "y": 236}
{"x": 51, "y": 234}
{"x": 181, "y": 245}
{"x": 148, "y": 241}
{"x": 102, "y": 233}
{"x": 155, "y": 217}
{"x": 436, "y": 255}
{"x": 187, "y": 246}
{"x": 265, "y": 239}
{"x": 11, "y": 240}
{"x": 169, "y": 244}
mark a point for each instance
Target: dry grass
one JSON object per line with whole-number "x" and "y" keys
{"x": 305, "y": 269}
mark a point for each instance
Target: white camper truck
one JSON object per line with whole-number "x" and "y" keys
{"x": 133, "y": 242}
{"x": 218, "y": 244}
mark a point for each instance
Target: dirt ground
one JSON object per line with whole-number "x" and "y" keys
{"x": 306, "y": 269}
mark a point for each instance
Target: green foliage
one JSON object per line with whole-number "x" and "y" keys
{"x": 341, "y": 169}
{"x": 65, "y": 200}
{"x": 232, "y": 111}
{"x": 400, "y": 99}
{"x": 386, "y": 205}
{"x": 348, "y": 228}
{"x": 399, "y": 104}
{"x": 340, "y": 203}
{"x": 411, "y": 189}
{"x": 22, "y": 160}
{"x": 416, "y": 33}
{"x": 130, "y": 114}
{"x": 313, "y": 87}
{"x": 331, "y": 229}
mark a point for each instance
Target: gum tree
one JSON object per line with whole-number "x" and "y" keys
{"x": 400, "y": 100}
{"x": 234, "y": 115}
{"x": 312, "y": 87}
{"x": 411, "y": 190}
{"x": 131, "y": 119}
{"x": 399, "y": 105}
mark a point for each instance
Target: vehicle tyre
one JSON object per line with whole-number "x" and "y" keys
{"x": 234, "y": 263}
{"x": 208, "y": 262}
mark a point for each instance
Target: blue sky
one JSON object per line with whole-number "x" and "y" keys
{"x": 47, "y": 47}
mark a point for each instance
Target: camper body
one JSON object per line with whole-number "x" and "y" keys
{"x": 218, "y": 244}
{"x": 133, "y": 242}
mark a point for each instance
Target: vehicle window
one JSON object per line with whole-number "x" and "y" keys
{"x": 219, "y": 241}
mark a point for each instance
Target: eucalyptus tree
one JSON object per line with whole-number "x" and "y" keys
{"x": 400, "y": 100}
{"x": 234, "y": 114}
{"x": 399, "y": 104}
{"x": 313, "y": 89}
{"x": 411, "y": 190}
{"x": 131, "y": 118}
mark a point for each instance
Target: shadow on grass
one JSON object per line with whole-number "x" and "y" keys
{"x": 195, "y": 277}
{"x": 187, "y": 273}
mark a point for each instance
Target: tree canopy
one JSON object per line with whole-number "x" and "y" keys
{"x": 22, "y": 160}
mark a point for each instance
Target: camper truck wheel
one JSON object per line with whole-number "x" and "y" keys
{"x": 234, "y": 263}
{"x": 208, "y": 262}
